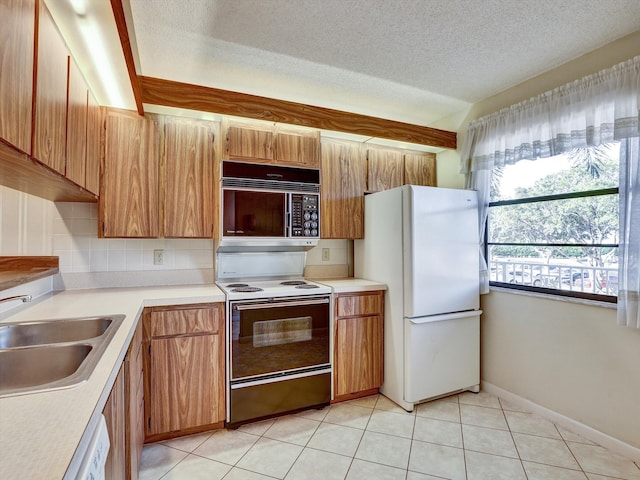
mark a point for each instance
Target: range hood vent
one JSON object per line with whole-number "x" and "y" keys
{"x": 270, "y": 177}
{"x": 270, "y": 185}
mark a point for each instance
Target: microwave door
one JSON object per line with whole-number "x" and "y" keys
{"x": 250, "y": 213}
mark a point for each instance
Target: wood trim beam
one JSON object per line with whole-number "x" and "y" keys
{"x": 168, "y": 93}
{"x": 123, "y": 33}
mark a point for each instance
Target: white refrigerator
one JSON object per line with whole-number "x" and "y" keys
{"x": 423, "y": 243}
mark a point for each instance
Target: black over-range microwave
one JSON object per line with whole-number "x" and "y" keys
{"x": 270, "y": 205}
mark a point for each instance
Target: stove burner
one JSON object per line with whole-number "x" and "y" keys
{"x": 236, "y": 285}
{"x": 307, "y": 285}
{"x": 247, "y": 289}
{"x": 294, "y": 282}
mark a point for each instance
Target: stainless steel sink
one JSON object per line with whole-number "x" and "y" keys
{"x": 58, "y": 331}
{"x": 26, "y": 367}
{"x": 52, "y": 354}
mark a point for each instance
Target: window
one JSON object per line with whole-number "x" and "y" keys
{"x": 553, "y": 224}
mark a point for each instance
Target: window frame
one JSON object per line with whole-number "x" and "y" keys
{"x": 546, "y": 290}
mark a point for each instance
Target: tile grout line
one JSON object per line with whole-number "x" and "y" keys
{"x": 464, "y": 450}
{"x": 413, "y": 431}
{"x": 570, "y": 451}
{"x": 524, "y": 470}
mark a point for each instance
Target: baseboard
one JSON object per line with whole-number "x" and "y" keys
{"x": 612, "y": 444}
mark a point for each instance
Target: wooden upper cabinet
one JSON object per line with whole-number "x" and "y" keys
{"x": 265, "y": 143}
{"x": 129, "y": 189}
{"x": 251, "y": 143}
{"x": 17, "y": 40}
{"x": 420, "y": 169}
{"x": 297, "y": 147}
{"x": 94, "y": 130}
{"x": 343, "y": 171}
{"x": 76, "y": 126}
{"x": 189, "y": 158}
{"x": 384, "y": 169}
{"x": 51, "y": 94}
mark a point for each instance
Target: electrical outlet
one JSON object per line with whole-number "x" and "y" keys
{"x": 325, "y": 254}
{"x": 158, "y": 257}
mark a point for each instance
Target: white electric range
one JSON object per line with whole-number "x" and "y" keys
{"x": 278, "y": 335}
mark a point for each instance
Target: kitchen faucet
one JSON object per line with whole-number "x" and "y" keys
{"x": 24, "y": 298}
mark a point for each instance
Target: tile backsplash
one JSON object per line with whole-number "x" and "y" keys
{"x": 33, "y": 226}
{"x": 76, "y": 242}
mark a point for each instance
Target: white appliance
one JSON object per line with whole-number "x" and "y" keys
{"x": 278, "y": 335}
{"x": 92, "y": 466}
{"x": 423, "y": 243}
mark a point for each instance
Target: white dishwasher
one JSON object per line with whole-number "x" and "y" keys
{"x": 95, "y": 457}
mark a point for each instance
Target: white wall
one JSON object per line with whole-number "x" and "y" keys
{"x": 570, "y": 358}
{"x": 567, "y": 357}
{"x": 26, "y": 224}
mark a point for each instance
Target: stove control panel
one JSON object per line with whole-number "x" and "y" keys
{"x": 305, "y": 215}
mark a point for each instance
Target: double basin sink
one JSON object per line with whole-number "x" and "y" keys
{"x": 52, "y": 354}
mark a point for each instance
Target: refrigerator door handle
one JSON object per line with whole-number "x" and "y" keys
{"x": 446, "y": 316}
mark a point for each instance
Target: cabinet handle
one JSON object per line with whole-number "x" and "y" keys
{"x": 258, "y": 306}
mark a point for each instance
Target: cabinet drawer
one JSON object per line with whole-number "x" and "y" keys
{"x": 359, "y": 304}
{"x": 183, "y": 322}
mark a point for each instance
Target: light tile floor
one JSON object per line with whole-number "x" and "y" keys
{"x": 461, "y": 437}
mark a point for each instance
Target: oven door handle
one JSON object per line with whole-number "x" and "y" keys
{"x": 301, "y": 303}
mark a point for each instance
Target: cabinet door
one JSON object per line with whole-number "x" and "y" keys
{"x": 114, "y": 413}
{"x": 358, "y": 354}
{"x": 384, "y": 169}
{"x": 420, "y": 169}
{"x": 343, "y": 172}
{"x": 94, "y": 130}
{"x": 250, "y": 143}
{"x": 76, "y": 126}
{"x": 51, "y": 94}
{"x": 298, "y": 148}
{"x": 16, "y": 57}
{"x": 135, "y": 405}
{"x": 185, "y": 383}
{"x": 129, "y": 196}
{"x": 189, "y": 156}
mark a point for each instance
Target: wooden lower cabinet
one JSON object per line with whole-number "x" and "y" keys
{"x": 124, "y": 414}
{"x": 134, "y": 385}
{"x": 358, "y": 346}
{"x": 115, "y": 415}
{"x": 184, "y": 370}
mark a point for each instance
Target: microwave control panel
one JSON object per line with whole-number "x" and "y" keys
{"x": 305, "y": 215}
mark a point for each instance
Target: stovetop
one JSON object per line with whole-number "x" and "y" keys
{"x": 250, "y": 289}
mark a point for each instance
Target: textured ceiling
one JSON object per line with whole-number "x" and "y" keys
{"x": 409, "y": 60}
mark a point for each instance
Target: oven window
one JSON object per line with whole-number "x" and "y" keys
{"x": 279, "y": 332}
{"x": 266, "y": 340}
{"x": 254, "y": 213}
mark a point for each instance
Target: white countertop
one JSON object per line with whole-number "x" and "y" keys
{"x": 40, "y": 432}
{"x": 345, "y": 285}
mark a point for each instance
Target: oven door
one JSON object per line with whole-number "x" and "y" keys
{"x": 285, "y": 335}
{"x": 254, "y": 213}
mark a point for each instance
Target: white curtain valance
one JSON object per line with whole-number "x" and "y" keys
{"x": 596, "y": 109}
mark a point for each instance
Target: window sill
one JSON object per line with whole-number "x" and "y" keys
{"x": 546, "y": 296}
